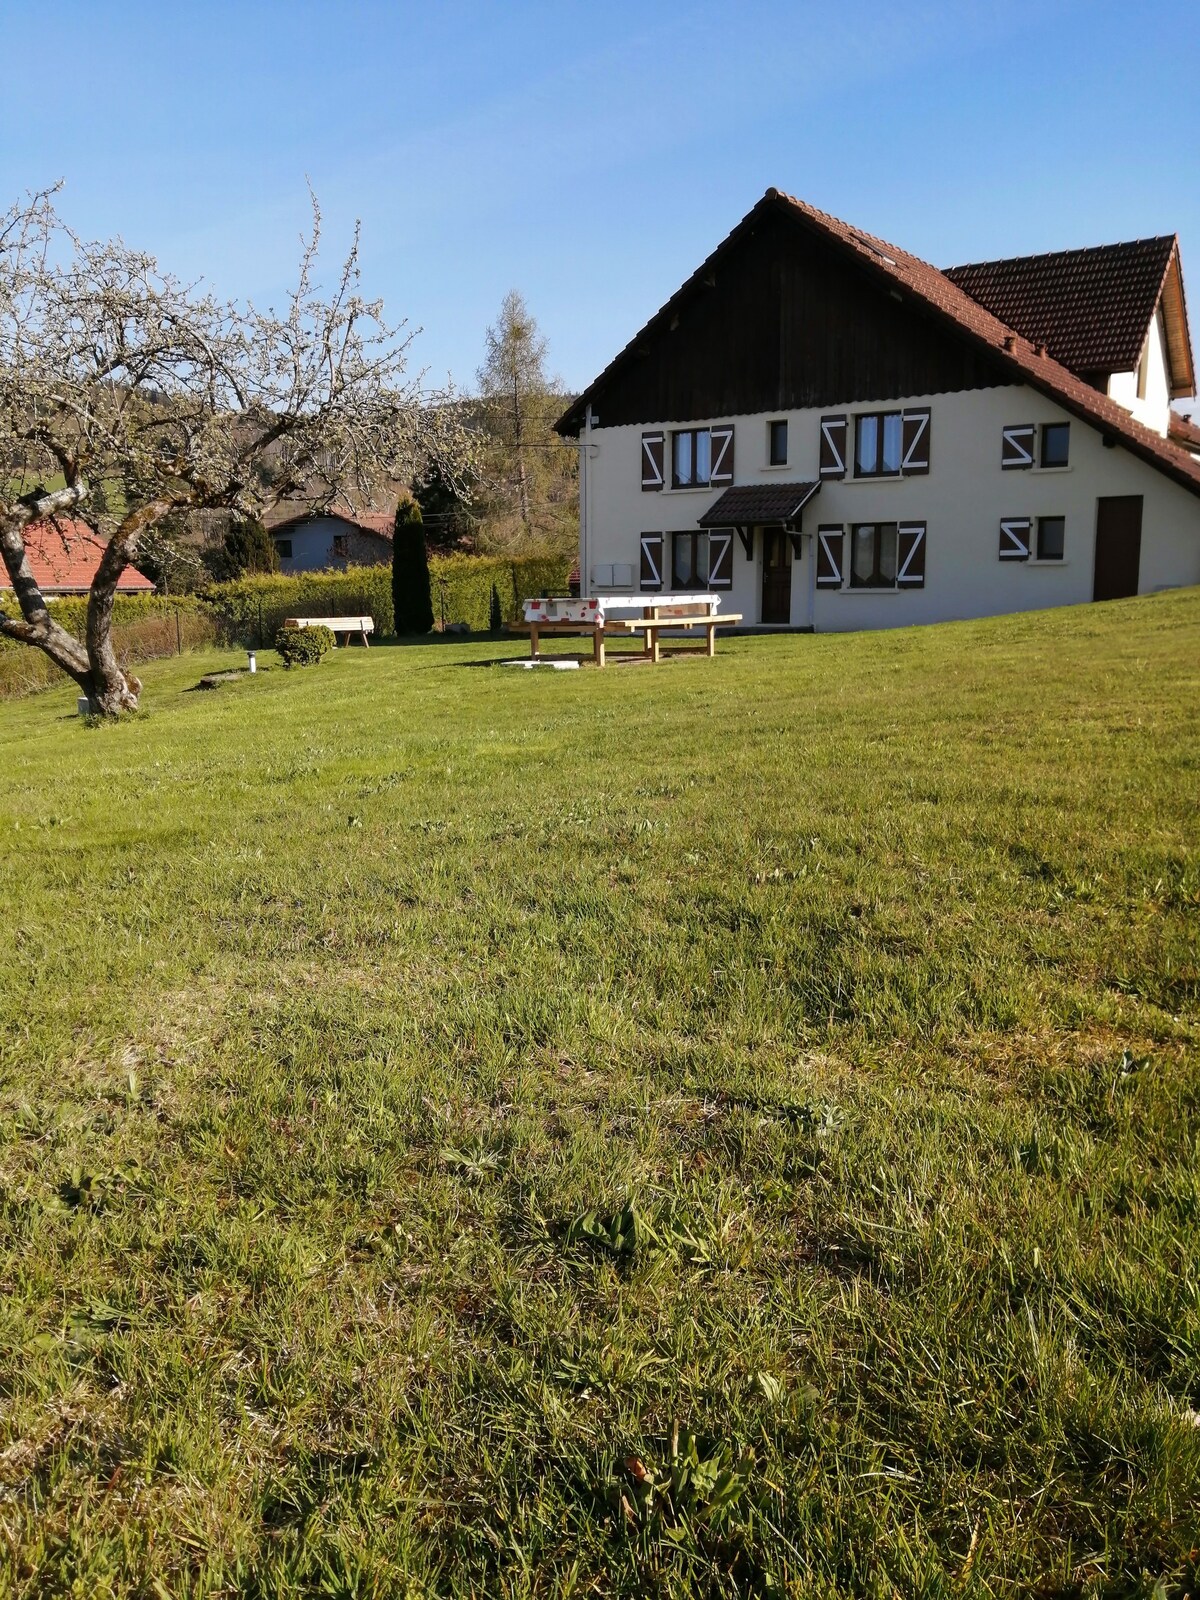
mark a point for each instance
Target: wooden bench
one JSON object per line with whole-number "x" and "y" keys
{"x": 336, "y": 625}
{"x": 659, "y": 618}
{"x": 594, "y": 630}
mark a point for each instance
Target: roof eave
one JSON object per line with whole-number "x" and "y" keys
{"x": 1179, "y": 338}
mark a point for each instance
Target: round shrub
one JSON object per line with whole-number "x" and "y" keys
{"x": 303, "y": 647}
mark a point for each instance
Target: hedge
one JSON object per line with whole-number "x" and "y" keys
{"x": 252, "y": 610}
{"x": 462, "y": 586}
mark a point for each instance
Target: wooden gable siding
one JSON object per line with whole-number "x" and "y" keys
{"x": 782, "y": 323}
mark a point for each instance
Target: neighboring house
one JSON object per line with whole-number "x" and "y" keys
{"x": 838, "y": 435}
{"x": 64, "y": 555}
{"x": 312, "y": 542}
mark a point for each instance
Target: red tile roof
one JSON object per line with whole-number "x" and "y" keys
{"x": 381, "y": 523}
{"x": 933, "y": 291}
{"x": 64, "y": 555}
{"x": 1091, "y": 308}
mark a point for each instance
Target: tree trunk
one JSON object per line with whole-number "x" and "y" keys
{"x": 94, "y": 665}
{"x": 519, "y": 452}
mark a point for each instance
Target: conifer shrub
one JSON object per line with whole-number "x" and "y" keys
{"x": 412, "y": 602}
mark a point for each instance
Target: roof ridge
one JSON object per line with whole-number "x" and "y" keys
{"x": 1171, "y": 239}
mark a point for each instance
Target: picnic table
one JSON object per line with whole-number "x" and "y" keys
{"x": 646, "y": 615}
{"x": 336, "y": 625}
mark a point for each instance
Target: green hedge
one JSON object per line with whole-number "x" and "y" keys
{"x": 252, "y": 610}
{"x": 71, "y": 613}
{"x": 462, "y": 586}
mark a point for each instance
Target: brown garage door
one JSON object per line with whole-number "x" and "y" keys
{"x": 1118, "y": 546}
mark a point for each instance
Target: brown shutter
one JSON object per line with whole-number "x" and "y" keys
{"x": 721, "y": 470}
{"x": 720, "y": 558}
{"x": 830, "y": 544}
{"x": 833, "y": 447}
{"x": 1014, "y": 538}
{"x": 917, "y": 427}
{"x": 1016, "y": 449}
{"x": 650, "y": 576}
{"x": 652, "y": 460}
{"x": 910, "y": 555}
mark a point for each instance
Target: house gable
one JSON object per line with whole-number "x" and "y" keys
{"x": 1001, "y": 356}
{"x": 781, "y": 318}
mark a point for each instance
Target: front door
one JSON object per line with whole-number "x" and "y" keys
{"x": 1118, "y": 546}
{"x": 777, "y": 576}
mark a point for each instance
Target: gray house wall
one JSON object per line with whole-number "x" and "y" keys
{"x": 312, "y": 545}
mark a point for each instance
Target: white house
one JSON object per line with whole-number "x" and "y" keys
{"x": 838, "y": 435}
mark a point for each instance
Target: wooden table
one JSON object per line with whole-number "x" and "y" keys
{"x": 653, "y": 615}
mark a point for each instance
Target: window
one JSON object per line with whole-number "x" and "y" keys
{"x": 777, "y": 444}
{"x": 873, "y": 555}
{"x": 341, "y": 544}
{"x": 1051, "y": 538}
{"x": 1056, "y": 444}
{"x": 283, "y": 548}
{"x": 691, "y": 458}
{"x": 689, "y": 561}
{"x": 1143, "y": 370}
{"x": 878, "y": 444}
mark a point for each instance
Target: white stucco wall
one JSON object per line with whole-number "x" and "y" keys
{"x": 961, "y": 500}
{"x": 1155, "y": 409}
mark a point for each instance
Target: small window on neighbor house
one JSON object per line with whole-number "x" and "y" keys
{"x": 283, "y": 549}
{"x": 1144, "y": 370}
{"x": 1056, "y": 443}
{"x": 878, "y": 444}
{"x": 1051, "y": 538}
{"x": 341, "y": 544}
{"x": 777, "y": 444}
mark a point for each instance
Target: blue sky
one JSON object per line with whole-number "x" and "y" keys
{"x": 592, "y": 155}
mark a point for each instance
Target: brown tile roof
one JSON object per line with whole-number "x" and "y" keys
{"x": 1091, "y": 308}
{"x": 64, "y": 555}
{"x": 1025, "y": 361}
{"x": 381, "y": 523}
{"x": 757, "y": 503}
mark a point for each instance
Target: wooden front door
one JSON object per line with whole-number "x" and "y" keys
{"x": 1118, "y": 546}
{"x": 776, "y": 576}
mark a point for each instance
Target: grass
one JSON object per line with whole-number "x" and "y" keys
{"x": 729, "y": 1129}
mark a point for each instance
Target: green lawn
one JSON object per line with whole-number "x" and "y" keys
{"x": 731, "y": 1128}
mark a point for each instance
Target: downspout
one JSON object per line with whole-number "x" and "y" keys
{"x": 585, "y": 519}
{"x": 812, "y": 581}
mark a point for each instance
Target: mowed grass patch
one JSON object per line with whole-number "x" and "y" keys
{"x": 729, "y": 1128}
